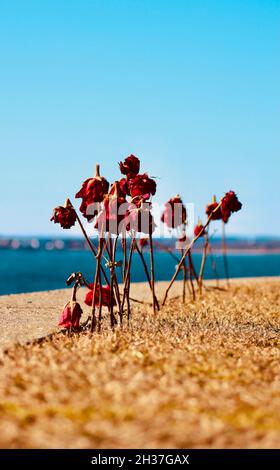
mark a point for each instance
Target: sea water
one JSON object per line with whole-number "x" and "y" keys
{"x": 35, "y": 270}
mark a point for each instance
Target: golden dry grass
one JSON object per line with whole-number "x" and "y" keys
{"x": 206, "y": 374}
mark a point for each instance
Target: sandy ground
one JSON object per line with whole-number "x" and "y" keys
{"x": 203, "y": 374}
{"x": 25, "y": 317}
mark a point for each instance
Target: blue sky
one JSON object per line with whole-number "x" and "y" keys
{"x": 192, "y": 87}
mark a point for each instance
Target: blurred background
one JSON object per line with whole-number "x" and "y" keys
{"x": 191, "y": 87}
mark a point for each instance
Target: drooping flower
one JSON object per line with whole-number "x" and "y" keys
{"x": 140, "y": 218}
{"x": 199, "y": 229}
{"x": 106, "y": 298}
{"x": 230, "y": 203}
{"x": 92, "y": 192}
{"x": 212, "y": 209}
{"x": 71, "y": 314}
{"x": 174, "y": 213}
{"x": 130, "y": 166}
{"x": 64, "y": 215}
{"x": 141, "y": 186}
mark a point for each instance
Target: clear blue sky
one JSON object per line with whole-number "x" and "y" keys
{"x": 191, "y": 86}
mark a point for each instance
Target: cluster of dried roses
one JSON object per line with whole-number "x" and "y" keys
{"x": 215, "y": 211}
{"x": 122, "y": 211}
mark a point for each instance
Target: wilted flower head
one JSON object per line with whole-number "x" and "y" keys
{"x": 71, "y": 314}
{"x": 64, "y": 215}
{"x": 230, "y": 203}
{"x": 141, "y": 186}
{"x": 212, "y": 209}
{"x": 93, "y": 191}
{"x": 106, "y": 296}
{"x": 174, "y": 213}
{"x": 199, "y": 229}
{"x": 130, "y": 166}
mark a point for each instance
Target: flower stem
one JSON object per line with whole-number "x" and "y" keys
{"x": 112, "y": 254}
{"x": 124, "y": 254}
{"x": 213, "y": 264}
{"x": 224, "y": 247}
{"x": 100, "y": 302}
{"x": 168, "y": 250}
{"x": 202, "y": 266}
{"x": 90, "y": 244}
{"x": 146, "y": 272}
{"x": 152, "y": 271}
{"x": 126, "y": 281}
{"x": 191, "y": 271}
{"x": 96, "y": 279}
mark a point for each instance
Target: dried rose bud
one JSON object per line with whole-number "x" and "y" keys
{"x": 212, "y": 209}
{"x": 92, "y": 192}
{"x": 199, "y": 230}
{"x": 64, "y": 215}
{"x": 130, "y": 166}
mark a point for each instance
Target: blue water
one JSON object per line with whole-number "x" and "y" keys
{"x": 27, "y": 270}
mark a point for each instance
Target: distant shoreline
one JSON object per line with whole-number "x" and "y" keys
{"x": 214, "y": 249}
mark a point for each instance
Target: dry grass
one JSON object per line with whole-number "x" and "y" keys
{"x": 200, "y": 375}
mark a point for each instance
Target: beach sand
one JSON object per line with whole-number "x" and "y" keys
{"x": 203, "y": 374}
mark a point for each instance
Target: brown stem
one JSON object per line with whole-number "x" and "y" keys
{"x": 187, "y": 251}
{"x": 202, "y": 266}
{"x": 224, "y": 246}
{"x": 124, "y": 254}
{"x": 96, "y": 278}
{"x": 191, "y": 270}
{"x": 213, "y": 264}
{"x": 146, "y": 272}
{"x": 192, "y": 266}
{"x": 74, "y": 291}
{"x": 168, "y": 250}
{"x": 100, "y": 303}
{"x": 152, "y": 271}
{"x": 126, "y": 281}
{"x": 184, "y": 282}
{"x": 116, "y": 284}
{"x": 112, "y": 253}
